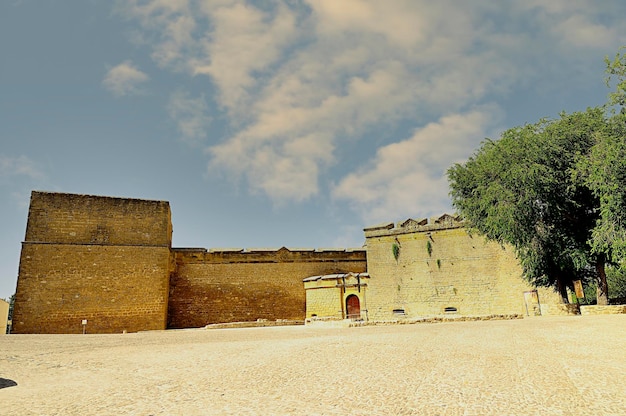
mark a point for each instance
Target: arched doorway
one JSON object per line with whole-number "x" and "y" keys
{"x": 353, "y": 307}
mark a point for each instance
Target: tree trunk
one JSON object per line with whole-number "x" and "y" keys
{"x": 562, "y": 289}
{"x": 602, "y": 293}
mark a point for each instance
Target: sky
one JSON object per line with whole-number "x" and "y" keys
{"x": 276, "y": 123}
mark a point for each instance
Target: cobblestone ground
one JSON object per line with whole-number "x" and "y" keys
{"x": 546, "y": 366}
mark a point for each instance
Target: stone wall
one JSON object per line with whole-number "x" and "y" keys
{"x": 109, "y": 261}
{"x": 236, "y": 285}
{"x": 4, "y": 315}
{"x": 602, "y": 309}
{"x": 85, "y": 219}
{"x": 326, "y": 295}
{"x": 441, "y": 269}
{"x": 106, "y": 260}
{"x": 323, "y": 298}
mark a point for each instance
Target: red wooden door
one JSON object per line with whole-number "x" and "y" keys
{"x": 353, "y": 307}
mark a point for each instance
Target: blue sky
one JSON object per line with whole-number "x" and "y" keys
{"x": 278, "y": 123}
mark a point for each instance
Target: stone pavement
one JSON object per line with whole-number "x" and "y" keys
{"x": 569, "y": 365}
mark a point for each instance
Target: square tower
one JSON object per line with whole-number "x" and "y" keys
{"x": 97, "y": 260}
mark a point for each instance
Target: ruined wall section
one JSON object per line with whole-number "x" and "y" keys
{"x": 438, "y": 266}
{"x": 103, "y": 259}
{"x": 233, "y": 285}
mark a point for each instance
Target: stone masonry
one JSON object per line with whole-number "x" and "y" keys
{"x": 231, "y": 285}
{"x": 109, "y": 261}
{"x": 427, "y": 268}
{"x": 100, "y": 259}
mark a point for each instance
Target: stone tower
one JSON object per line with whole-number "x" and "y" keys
{"x": 104, "y": 260}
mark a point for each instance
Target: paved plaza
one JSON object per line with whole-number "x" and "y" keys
{"x": 536, "y": 366}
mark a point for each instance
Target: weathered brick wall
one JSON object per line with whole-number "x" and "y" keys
{"x": 103, "y": 259}
{"x": 441, "y": 268}
{"x": 85, "y": 219}
{"x": 232, "y": 286}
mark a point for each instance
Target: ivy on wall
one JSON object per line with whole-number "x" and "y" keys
{"x": 395, "y": 248}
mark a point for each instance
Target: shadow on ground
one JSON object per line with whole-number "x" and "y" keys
{"x": 5, "y": 382}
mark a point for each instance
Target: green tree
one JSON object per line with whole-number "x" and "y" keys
{"x": 11, "y": 302}
{"x": 616, "y": 280}
{"x": 522, "y": 190}
{"x": 556, "y": 191}
{"x": 11, "y": 305}
{"x": 616, "y": 71}
{"x": 616, "y": 277}
{"x": 603, "y": 171}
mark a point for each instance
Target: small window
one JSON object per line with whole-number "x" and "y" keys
{"x": 398, "y": 311}
{"x": 450, "y": 309}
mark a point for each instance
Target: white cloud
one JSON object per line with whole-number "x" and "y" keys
{"x": 296, "y": 80}
{"x": 191, "y": 116}
{"x": 167, "y": 26}
{"x": 244, "y": 42}
{"x": 124, "y": 79}
{"x": 579, "y": 31}
{"x": 337, "y": 88}
{"x": 578, "y": 25}
{"x": 408, "y": 177}
{"x": 18, "y": 175}
{"x": 20, "y": 166}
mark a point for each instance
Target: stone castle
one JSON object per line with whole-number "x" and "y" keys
{"x": 107, "y": 265}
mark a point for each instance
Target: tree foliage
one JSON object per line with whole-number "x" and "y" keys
{"x": 616, "y": 71}
{"x": 603, "y": 171}
{"x": 616, "y": 280}
{"x": 11, "y": 306}
{"x": 555, "y": 190}
{"x": 521, "y": 190}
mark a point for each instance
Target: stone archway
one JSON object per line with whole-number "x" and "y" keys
{"x": 353, "y": 307}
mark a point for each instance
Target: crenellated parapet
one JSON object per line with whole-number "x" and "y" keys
{"x": 443, "y": 222}
{"x": 267, "y": 255}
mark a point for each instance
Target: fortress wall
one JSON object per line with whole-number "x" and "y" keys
{"x": 233, "y": 286}
{"x": 468, "y": 273}
{"x": 103, "y": 259}
{"x": 109, "y": 260}
{"x": 115, "y": 288}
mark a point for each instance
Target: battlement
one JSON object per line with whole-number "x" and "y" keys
{"x": 267, "y": 255}
{"x": 410, "y": 225}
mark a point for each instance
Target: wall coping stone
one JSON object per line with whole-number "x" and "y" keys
{"x": 217, "y": 250}
{"x": 335, "y": 276}
{"x": 73, "y": 195}
{"x": 225, "y": 250}
{"x": 192, "y": 249}
{"x": 602, "y": 309}
{"x": 443, "y": 222}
